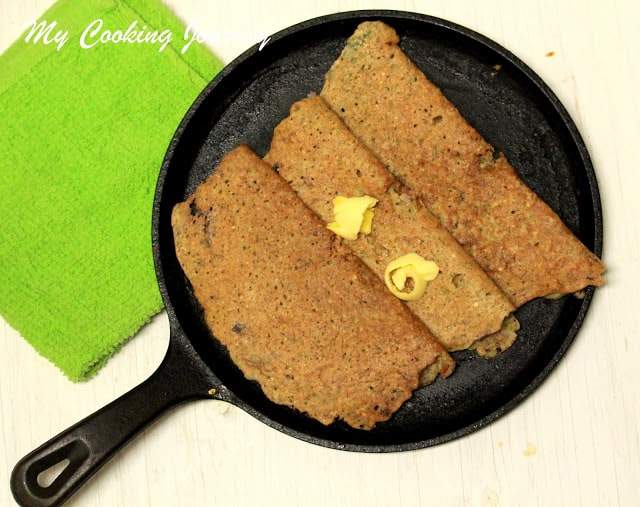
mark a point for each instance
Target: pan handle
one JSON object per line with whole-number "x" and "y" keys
{"x": 89, "y": 444}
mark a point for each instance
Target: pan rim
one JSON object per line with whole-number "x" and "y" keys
{"x": 534, "y": 81}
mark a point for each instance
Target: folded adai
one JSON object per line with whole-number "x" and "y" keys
{"x": 298, "y": 312}
{"x": 319, "y": 157}
{"x": 406, "y": 121}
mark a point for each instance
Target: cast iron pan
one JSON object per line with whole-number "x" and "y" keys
{"x": 512, "y": 108}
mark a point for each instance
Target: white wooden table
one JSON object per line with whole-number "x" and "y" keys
{"x": 574, "y": 442}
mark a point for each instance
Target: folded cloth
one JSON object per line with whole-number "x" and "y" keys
{"x": 82, "y": 137}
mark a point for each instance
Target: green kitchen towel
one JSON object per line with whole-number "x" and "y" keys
{"x": 82, "y": 135}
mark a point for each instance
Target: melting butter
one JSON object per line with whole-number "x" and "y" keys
{"x": 352, "y": 215}
{"x": 412, "y": 266}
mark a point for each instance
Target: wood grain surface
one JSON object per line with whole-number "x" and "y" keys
{"x": 574, "y": 442}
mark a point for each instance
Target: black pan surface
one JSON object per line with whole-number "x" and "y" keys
{"x": 512, "y": 108}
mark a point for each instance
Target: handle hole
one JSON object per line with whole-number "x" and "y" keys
{"x": 48, "y": 476}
